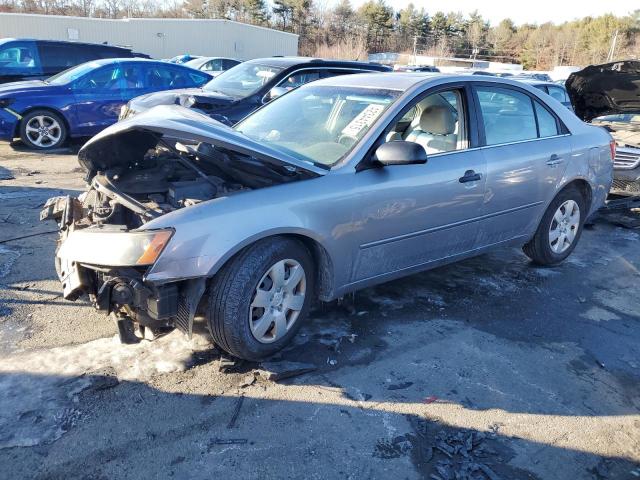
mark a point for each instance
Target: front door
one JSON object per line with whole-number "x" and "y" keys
{"x": 416, "y": 215}
{"x": 99, "y": 95}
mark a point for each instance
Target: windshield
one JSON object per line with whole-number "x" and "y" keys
{"x": 242, "y": 80}
{"x": 318, "y": 123}
{"x": 72, "y": 73}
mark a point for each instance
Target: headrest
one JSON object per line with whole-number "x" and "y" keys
{"x": 438, "y": 119}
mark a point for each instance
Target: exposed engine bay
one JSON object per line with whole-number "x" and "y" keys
{"x": 169, "y": 178}
{"x": 135, "y": 175}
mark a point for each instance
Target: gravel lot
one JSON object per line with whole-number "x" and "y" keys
{"x": 490, "y": 368}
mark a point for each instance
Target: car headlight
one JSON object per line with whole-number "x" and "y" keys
{"x": 114, "y": 248}
{"x": 5, "y": 102}
{"x": 189, "y": 102}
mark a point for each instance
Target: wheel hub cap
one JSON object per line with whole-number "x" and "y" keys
{"x": 564, "y": 226}
{"x": 277, "y": 301}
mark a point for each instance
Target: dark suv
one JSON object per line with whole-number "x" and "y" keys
{"x": 237, "y": 92}
{"x": 22, "y": 59}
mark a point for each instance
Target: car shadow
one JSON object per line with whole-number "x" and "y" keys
{"x": 71, "y": 147}
{"x": 99, "y": 426}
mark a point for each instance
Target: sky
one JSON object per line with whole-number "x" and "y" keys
{"x": 520, "y": 11}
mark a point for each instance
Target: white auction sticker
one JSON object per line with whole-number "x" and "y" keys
{"x": 364, "y": 119}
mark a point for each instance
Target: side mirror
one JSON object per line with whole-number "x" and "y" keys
{"x": 275, "y": 92}
{"x": 399, "y": 152}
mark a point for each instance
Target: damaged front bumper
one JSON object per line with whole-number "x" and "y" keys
{"x": 108, "y": 263}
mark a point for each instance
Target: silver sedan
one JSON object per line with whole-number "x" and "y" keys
{"x": 338, "y": 185}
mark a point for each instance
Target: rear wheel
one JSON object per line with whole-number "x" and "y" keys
{"x": 43, "y": 130}
{"x": 559, "y": 229}
{"x": 258, "y": 301}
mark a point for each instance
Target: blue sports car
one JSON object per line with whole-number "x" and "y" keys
{"x": 85, "y": 99}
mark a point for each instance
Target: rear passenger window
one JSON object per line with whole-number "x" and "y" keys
{"x": 508, "y": 115}
{"x": 227, "y": 64}
{"x": 299, "y": 78}
{"x": 59, "y": 56}
{"x": 558, "y": 93}
{"x": 547, "y": 124}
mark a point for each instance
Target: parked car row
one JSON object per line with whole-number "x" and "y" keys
{"x": 85, "y": 99}
{"x": 323, "y": 188}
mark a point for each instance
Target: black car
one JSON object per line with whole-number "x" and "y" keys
{"x": 608, "y": 95}
{"x": 235, "y": 93}
{"x": 24, "y": 59}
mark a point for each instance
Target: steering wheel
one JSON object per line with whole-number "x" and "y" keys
{"x": 347, "y": 140}
{"x": 93, "y": 84}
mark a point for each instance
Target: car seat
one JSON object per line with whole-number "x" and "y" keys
{"x": 436, "y": 130}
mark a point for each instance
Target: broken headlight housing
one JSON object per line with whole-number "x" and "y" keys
{"x": 115, "y": 248}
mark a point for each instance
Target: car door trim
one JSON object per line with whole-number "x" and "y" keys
{"x": 418, "y": 233}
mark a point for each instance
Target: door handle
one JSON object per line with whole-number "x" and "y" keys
{"x": 470, "y": 176}
{"x": 554, "y": 160}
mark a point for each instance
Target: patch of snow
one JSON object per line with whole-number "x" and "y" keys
{"x": 39, "y": 389}
{"x": 598, "y": 314}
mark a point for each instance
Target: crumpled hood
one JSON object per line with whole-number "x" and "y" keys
{"x": 126, "y": 142}
{"x": 607, "y": 89}
{"x": 179, "y": 97}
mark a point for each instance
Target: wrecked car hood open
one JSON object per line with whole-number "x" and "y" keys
{"x": 126, "y": 142}
{"x": 611, "y": 88}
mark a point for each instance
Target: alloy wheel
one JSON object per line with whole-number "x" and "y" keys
{"x": 564, "y": 226}
{"x": 43, "y": 131}
{"x": 277, "y": 301}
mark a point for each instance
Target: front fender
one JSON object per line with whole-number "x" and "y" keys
{"x": 209, "y": 234}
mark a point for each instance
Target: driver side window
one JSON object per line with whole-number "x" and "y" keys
{"x": 102, "y": 79}
{"x": 18, "y": 56}
{"x": 437, "y": 122}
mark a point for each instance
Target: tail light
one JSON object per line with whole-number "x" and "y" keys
{"x": 612, "y": 146}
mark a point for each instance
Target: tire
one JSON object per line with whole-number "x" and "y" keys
{"x": 554, "y": 240}
{"x": 245, "y": 310}
{"x": 43, "y": 130}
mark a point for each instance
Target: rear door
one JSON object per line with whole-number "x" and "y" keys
{"x": 526, "y": 152}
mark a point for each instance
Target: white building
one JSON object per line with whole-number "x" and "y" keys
{"x": 157, "y": 37}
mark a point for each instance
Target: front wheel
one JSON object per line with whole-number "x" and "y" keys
{"x": 258, "y": 301}
{"x": 559, "y": 229}
{"x": 43, "y": 130}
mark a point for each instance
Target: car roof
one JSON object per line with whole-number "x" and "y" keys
{"x": 286, "y": 62}
{"x": 405, "y": 80}
{"x": 205, "y": 59}
{"x": 533, "y": 81}
{"x": 107, "y": 61}
{"x": 6, "y": 40}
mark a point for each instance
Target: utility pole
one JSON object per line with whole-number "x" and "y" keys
{"x": 612, "y": 50}
{"x": 415, "y": 49}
